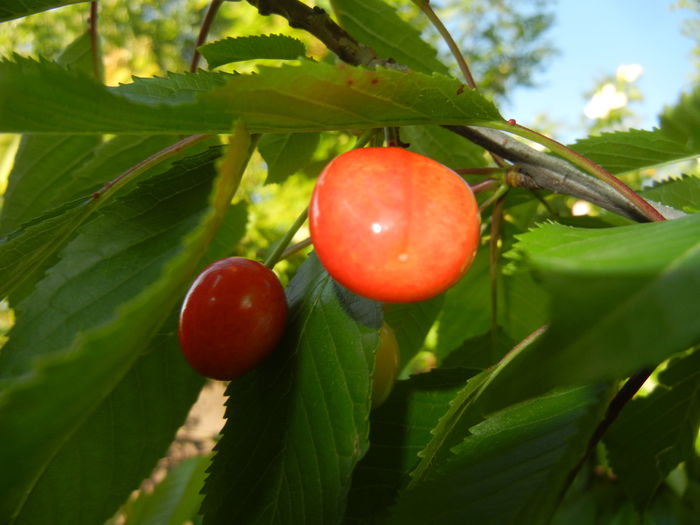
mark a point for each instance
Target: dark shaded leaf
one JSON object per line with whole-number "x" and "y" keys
{"x": 298, "y": 423}
{"x": 656, "y": 432}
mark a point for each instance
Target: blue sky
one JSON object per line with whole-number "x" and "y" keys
{"x": 595, "y": 37}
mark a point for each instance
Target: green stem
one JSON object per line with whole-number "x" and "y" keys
{"x": 276, "y": 254}
{"x": 424, "y": 6}
{"x": 496, "y": 221}
{"x": 584, "y": 164}
{"x": 364, "y": 139}
{"x": 500, "y": 192}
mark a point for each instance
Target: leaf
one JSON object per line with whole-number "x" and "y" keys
{"x": 119, "y": 444}
{"x": 297, "y": 425}
{"x": 309, "y": 96}
{"x": 623, "y": 299}
{"x": 156, "y": 394}
{"x": 676, "y": 139}
{"x": 680, "y": 122}
{"x": 467, "y": 309}
{"x": 175, "y": 500}
{"x": 444, "y": 146}
{"x": 399, "y": 429}
{"x": 411, "y": 323}
{"x": 655, "y": 433}
{"x": 229, "y": 50}
{"x": 25, "y": 251}
{"x": 18, "y": 8}
{"x": 681, "y": 193}
{"x": 623, "y": 151}
{"x": 377, "y": 25}
{"x": 98, "y": 308}
{"x": 286, "y": 154}
{"x": 512, "y": 466}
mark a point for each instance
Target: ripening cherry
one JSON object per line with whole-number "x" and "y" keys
{"x": 386, "y": 365}
{"x": 232, "y": 317}
{"x": 392, "y": 225}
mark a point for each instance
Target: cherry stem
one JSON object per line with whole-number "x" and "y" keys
{"x": 424, "y": 6}
{"x": 496, "y": 221}
{"x": 500, "y": 192}
{"x": 204, "y": 31}
{"x": 281, "y": 246}
{"x": 587, "y": 165}
{"x": 112, "y": 186}
{"x": 294, "y": 248}
{"x": 92, "y": 28}
{"x": 479, "y": 171}
{"x": 364, "y": 139}
{"x": 484, "y": 185}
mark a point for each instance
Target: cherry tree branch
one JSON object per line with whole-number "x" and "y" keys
{"x": 536, "y": 169}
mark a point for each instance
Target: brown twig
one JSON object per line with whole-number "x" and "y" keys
{"x": 623, "y": 396}
{"x": 317, "y": 22}
{"x": 94, "y": 44}
{"x": 204, "y": 31}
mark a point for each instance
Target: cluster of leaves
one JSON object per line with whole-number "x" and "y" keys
{"x": 99, "y": 246}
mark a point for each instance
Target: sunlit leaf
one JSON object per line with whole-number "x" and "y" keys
{"x": 251, "y": 47}
{"x": 623, "y": 299}
{"x": 376, "y": 24}
{"x": 309, "y": 96}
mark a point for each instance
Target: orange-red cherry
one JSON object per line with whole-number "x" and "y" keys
{"x": 393, "y": 225}
{"x": 232, "y": 317}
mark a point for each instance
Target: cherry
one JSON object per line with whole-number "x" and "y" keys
{"x": 392, "y": 225}
{"x": 386, "y": 365}
{"x": 232, "y": 317}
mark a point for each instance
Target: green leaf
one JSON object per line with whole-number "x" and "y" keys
{"x": 624, "y": 151}
{"x": 512, "y": 466}
{"x": 623, "y": 299}
{"x": 681, "y": 193}
{"x": 18, "y": 8}
{"x": 156, "y": 394}
{"x": 411, "y": 323}
{"x": 43, "y": 165}
{"x": 297, "y": 425}
{"x": 147, "y": 407}
{"x": 285, "y": 154}
{"x": 399, "y": 429}
{"x": 88, "y": 321}
{"x": 655, "y": 433}
{"x": 175, "y": 500}
{"x": 442, "y": 145}
{"x": 309, "y": 96}
{"x": 467, "y": 309}
{"x": 25, "y": 251}
{"x": 229, "y": 50}
{"x": 676, "y": 139}
{"x": 377, "y": 25}
{"x": 680, "y": 122}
